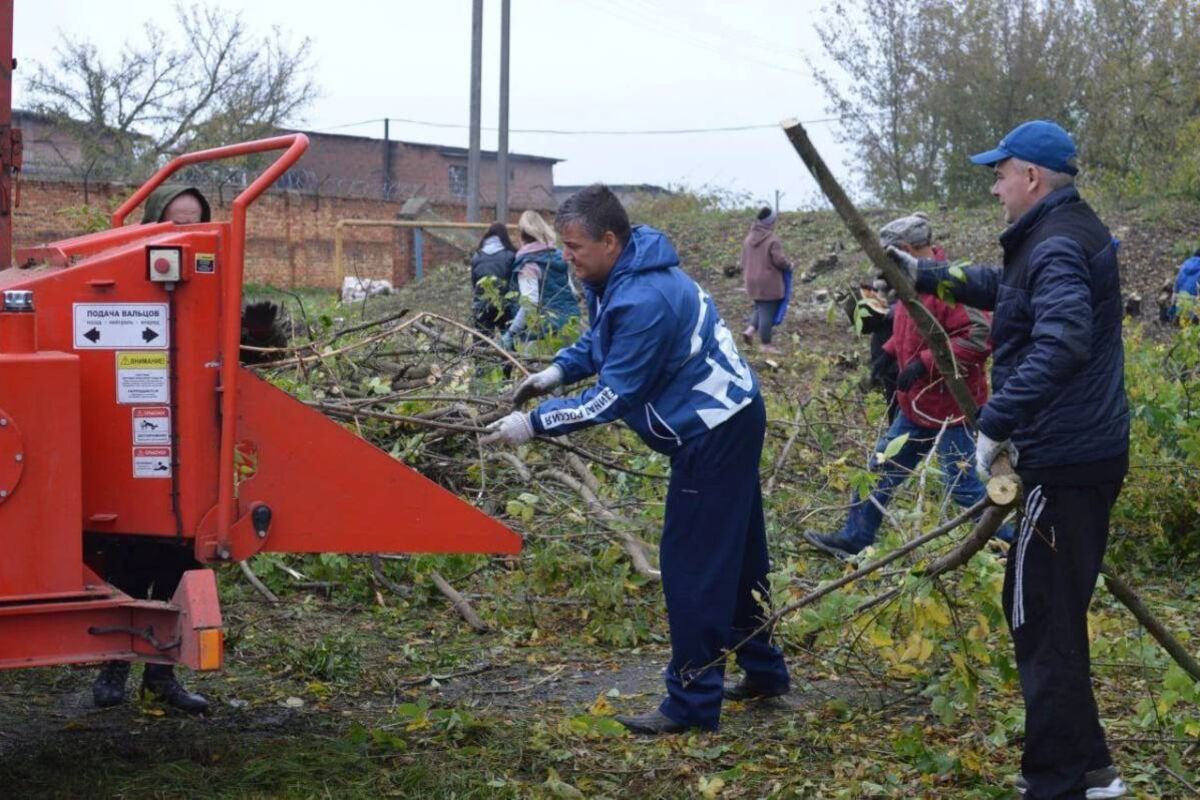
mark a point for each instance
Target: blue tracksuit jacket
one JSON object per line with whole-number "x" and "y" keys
{"x": 666, "y": 363}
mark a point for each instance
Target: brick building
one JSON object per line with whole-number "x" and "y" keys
{"x": 290, "y": 238}
{"x": 360, "y": 166}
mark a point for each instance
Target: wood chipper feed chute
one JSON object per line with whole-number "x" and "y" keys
{"x": 120, "y": 387}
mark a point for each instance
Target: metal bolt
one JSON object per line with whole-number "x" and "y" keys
{"x": 223, "y": 553}
{"x": 3, "y": 494}
{"x": 3, "y": 422}
{"x": 19, "y": 456}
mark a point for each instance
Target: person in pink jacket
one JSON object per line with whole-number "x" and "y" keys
{"x": 763, "y": 268}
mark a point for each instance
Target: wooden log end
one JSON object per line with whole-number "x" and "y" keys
{"x": 1003, "y": 490}
{"x": 789, "y": 123}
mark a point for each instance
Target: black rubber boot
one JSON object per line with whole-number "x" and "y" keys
{"x": 159, "y": 680}
{"x": 109, "y": 688}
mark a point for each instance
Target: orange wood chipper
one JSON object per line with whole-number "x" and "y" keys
{"x": 124, "y": 412}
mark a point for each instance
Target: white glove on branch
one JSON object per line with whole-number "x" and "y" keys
{"x": 987, "y": 450}
{"x": 905, "y": 261}
{"x": 538, "y": 384}
{"x": 515, "y": 429}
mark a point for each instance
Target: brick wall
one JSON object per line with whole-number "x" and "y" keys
{"x": 290, "y": 236}
{"x": 354, "y": 166}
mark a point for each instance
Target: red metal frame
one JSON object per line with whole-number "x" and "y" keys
{"x": 232, "y": 277}
{"x": 328, "y": 490}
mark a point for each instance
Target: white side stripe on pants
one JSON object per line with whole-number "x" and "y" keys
{"x": 1034, "y": 503}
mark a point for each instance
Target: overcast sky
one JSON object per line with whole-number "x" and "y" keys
{"x": 577, "y": 65}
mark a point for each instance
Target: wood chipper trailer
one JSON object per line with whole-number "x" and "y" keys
{"x": 124, "y": 412}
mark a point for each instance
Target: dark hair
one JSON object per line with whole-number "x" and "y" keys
{"x": 764, "y": 212}
{"x": 500, "y": 231}
{"x": 598, "y": 210}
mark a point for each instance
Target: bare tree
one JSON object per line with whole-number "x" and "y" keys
{"x": 158, "y": 97}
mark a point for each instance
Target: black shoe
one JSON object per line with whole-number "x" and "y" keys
{"x": 159, "y": 680}
{"x": 109, "y": 688}
{"x": 747, "y": 689}
{"x": 1102, "y": 784}
{"x": 829, "y": 545}
{"x": 652, "y": 722}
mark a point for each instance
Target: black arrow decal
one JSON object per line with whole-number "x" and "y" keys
{"x": 93, "y": 335}
{"x": 149, "y": 334}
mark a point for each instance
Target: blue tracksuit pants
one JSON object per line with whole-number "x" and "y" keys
{"x": 713, "y": 556}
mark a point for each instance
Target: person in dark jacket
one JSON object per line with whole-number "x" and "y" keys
{"x": 491, "y": 271}
{"x": 541, "y": 283}
{"x": 872, "y": 309}
{"x": 144, "y": 566}
{"x": 928, "y": 416}
{"x": 1059, "y": 409}
{"x": 666, "y": 364}
{"x": 763, "y": 270}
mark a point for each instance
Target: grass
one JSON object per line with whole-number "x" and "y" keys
{"x": 340, "y": 696}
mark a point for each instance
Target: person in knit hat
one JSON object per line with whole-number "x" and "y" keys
{"x": 763, "y": 269}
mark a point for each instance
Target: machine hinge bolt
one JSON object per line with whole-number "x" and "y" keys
{"x": 3, "y": 422}
{"x": 19, "y": 456}
{"x": 3, "y": 494}
{"x": 223, "y": 553}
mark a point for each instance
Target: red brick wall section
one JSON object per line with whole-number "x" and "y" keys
{"x": 290, "y": 237}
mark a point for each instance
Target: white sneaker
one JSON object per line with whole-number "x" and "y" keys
{"x": 1102, "y": 784}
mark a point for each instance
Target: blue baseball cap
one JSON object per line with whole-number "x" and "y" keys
{"x": 1039, "y": 142}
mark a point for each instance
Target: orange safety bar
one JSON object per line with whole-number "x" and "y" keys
{"x": 231, "y": 289}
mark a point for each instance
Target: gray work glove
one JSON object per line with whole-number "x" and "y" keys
{"x": 987, "y": 450}
{"x": 906, "y": 262}
{"x": 538, "y": 384}
{"x": 514, "y": 429}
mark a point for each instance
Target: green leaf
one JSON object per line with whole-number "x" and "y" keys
{"x": 894, "y": 447}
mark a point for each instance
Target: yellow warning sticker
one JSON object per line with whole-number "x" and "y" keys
{"x": 141, "y": 360}
{"x": 143, "y": 377}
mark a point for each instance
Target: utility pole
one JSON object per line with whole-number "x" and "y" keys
{"x": 778, "y": 194}
{"x": 502, "y": 145}
{"x": 385, "y": 184}
{"x": 476, "y": 93}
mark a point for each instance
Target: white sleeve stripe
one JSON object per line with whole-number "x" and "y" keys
{"x": 572, "y": 416}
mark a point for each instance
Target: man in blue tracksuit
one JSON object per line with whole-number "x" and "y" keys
{"x": 1059, "y": 407}
{"x": 668, "y": 367}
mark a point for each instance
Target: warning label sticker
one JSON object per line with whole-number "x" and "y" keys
{"x": 206, "y": 263}
{"x": 130, "y": 326}
{"x": 152, "y": 425}
{"x": 143, "y": 378}
{"x": 151, "y": 462}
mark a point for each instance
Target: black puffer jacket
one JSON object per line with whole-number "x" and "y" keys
{"x": 1059, "y": 370}
{"x": 496, "y": 265}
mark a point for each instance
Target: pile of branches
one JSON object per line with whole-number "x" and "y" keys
{"x": 424, "y": 387}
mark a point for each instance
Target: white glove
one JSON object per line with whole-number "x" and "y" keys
{"x": 987, "y": 450}
{"x": 538, "y": 384}
{"x": 904, "y": 261}
{"x": 515, "y": 429}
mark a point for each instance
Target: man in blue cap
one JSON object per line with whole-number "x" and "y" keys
{"x": 667, "y": 366}
{"x": 1059, "y": 409}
